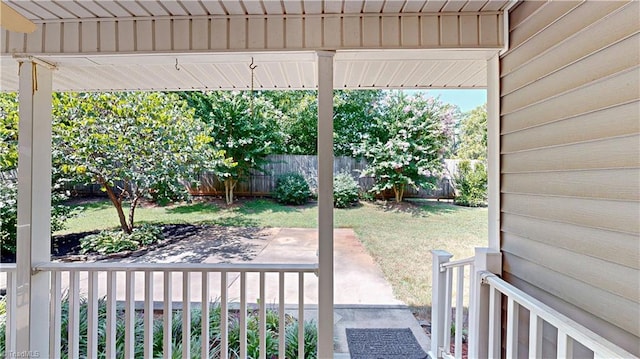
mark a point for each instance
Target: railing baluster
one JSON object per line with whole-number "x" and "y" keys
{"x": 148, "y": 314}
{"x": 282, "y": 318}
{"x": 92, "y": 315}
{"x": 513, "y": 316}
{"x": 459, "y": 312}
{"x": 446, "y": 338}
{"x": 535, "y": 336}
{"x": 74, "y": 315}
{"x": 224, "y": 321}
{"x": 495, "y": 323}
{"x": 565, "y": 345}
{"x": 55, "y": 334}
{"x": 243, "y": 315}
{"x": 186, "y": 315}
{"x": 129, "y": 311}
{"x": 263, "y": 318}
{"x": 111, "y": 314}
{"x": 204, "y": 316}
{"x": 167, "y": 313}
{"x": 301, "y": 315}
{"x": 10, "y": 327}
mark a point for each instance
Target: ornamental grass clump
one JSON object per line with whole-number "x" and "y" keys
{"x": 215, "y": 346}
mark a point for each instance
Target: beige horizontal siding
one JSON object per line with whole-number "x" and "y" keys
{"x": 614, "y": 247}
{"x": 598, "y": 325}
{"x": 590, "y": 40}
{"x": 614, "y": 59}
{"x": 620, "y": 88}
{"x": 613, "y": 153}
{"x": 570, "y": 162}
{"x": 573, "y": 291}
{"x": 608, "y": 276}
{"x": 290, "y": 32}
{"x": 621, "y": 216}
{"x": 614, "y": 121}
{"x": 561, "y": 30}
{"x": 583, "y": 184}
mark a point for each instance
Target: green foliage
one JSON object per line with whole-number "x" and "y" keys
{"x": 406, "y": 143}
{"x": 292, "y": 188}
{"x": 299, "y": 120}
{"x": 310, "y": 340}
{"x": 345, "y": 190}
{"x": 135, "y": 144}
{"x": 107, "y": 242}
{"x": 471, "y": 184}
{"x": 473, "y": 135}
{"x": 291, "y": 330}
{"x": 244, "y": 127}
{"x": 353, "y": 118}
{"x": 8, "y": 131}
{"x": 9, "y": 214}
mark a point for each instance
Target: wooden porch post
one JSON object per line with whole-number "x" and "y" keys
{"x": 325, "y": 204}
{"x": 34, "y": 209}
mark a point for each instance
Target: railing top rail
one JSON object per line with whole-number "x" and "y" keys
{"x": 179, "y": 267}
{"x": 575, "y": 330}
{"x": 458, "y": 263}
{"x": 7, "y": 267}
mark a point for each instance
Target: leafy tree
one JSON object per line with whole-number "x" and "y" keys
{"x": 8, "y": 131}
{"x": 243, "y": 126}
{"x": 473, "y": 135}
{"x": 406, "y": 143}
{"x": 353, "y": 118}
{"x": 130, "y": 143}
{"x": 299, "y": 120}
{"x": 8, "y": 185}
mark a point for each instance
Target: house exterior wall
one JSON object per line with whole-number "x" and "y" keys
{"x": 570, "y": 162}
{"x": 260, "y": 33}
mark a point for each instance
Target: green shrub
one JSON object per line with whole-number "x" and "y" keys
{"x": 292, "y": 188}
{"x": 345, "y": 190}
{"x": 471, "y": 184}
{"x": 9, "y": 214}
{"x": 107, "y": 242}
{"x": 291, "y": 330}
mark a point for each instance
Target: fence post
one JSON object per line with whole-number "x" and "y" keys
{"x": 438, "y": 301}
{"x": 486, "y": 259}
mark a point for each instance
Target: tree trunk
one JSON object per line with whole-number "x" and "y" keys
{"x": 398, "y": 190}
{"x": 132, "y": 211}
{"x": 118, "y": 204}
{"x": 229, "y": 185}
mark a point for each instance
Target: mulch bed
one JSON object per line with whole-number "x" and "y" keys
{"x": 66, "y": 248}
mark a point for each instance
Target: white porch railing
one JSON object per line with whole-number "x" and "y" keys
{"x": 134, "y": 291}
{"x": 8, "y": 281}
{"x": 488, "y": 324}
{"x": 445, "y": 273}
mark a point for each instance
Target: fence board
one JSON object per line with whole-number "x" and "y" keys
{"x": 263, "y": 183}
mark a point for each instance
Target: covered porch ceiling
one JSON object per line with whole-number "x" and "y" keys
{"x": 361, "y": 69}
{"x": 103, "y": 45}
{"x": 46, "y": 10}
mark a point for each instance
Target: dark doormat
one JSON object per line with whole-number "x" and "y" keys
{"x": 383, "y": 343}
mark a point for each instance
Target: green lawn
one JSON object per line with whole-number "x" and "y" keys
{"x": 398, "y": 238}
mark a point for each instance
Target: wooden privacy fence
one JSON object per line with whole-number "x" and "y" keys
{"x": 263, "y": 183}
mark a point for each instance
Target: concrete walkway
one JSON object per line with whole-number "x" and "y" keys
{"x": 363, "y": 298}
